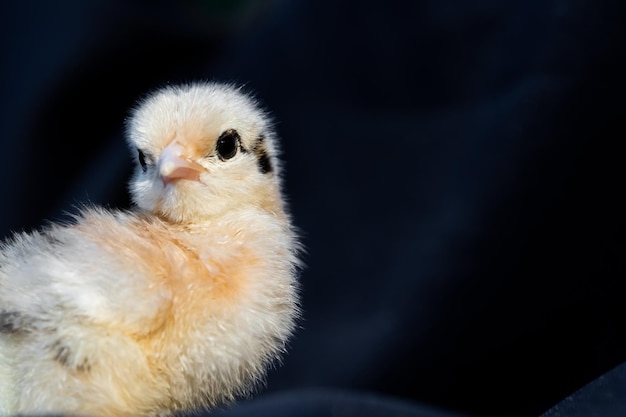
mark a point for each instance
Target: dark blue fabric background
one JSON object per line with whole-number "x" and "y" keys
{"x": 456, "y": 169}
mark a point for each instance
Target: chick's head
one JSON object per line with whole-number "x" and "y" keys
{"x": 202, "y": 150}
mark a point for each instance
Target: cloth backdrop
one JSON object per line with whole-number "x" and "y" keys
{"x": 455, "y": 168}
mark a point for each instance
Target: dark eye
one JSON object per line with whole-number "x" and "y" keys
{"x": 141, "y": 157}
{"x": 227, "y": 144}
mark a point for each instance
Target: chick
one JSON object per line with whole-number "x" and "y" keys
{"x": 180, "y": 303}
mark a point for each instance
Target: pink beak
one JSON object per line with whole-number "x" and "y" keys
{"x": 174, "y": 165}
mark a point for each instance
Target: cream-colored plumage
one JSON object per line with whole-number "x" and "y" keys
{"x": 180, "y": 303}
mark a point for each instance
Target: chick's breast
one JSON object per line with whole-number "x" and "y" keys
{"x": 149, "y": 313}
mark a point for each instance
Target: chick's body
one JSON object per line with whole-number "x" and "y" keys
{"x": 182, "y": 302}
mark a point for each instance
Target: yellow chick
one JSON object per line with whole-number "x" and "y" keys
{"x": 181, "y": 303}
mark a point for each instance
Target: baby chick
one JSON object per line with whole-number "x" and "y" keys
{"x": 182, "y": 302}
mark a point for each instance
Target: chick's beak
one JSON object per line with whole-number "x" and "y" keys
{"x": 174, "y": 165}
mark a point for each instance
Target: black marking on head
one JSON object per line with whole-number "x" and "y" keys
{"x": 265, "y": 165}
{"x": 63, "y": 354}
{"x": 263, "y": 159}
{"x": 11, "y": 322}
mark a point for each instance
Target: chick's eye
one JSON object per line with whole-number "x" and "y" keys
{"x": 141, "y": 157}
{"x": 227, "y": 144}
